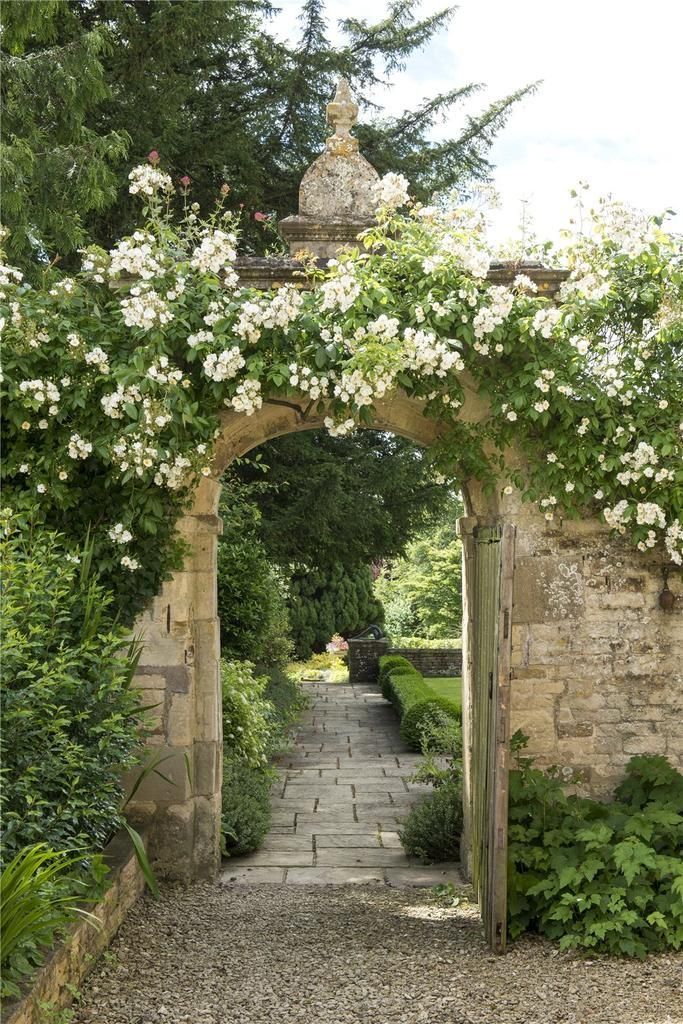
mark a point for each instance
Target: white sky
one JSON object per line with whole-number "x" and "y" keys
{"x": 609, "y": 110}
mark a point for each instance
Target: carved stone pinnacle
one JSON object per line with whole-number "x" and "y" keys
{"x": 342, "y": 112}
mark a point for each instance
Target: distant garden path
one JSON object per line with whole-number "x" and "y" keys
{"x": 343, "y": 788}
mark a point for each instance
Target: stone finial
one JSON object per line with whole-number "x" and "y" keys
{"x": 336, "y": 200}
{"x": 342, "y": 112}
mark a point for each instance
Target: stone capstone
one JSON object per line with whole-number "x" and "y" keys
{"x": 336, "y": 199}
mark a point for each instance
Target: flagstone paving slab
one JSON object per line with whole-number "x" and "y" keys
{"x": 339, "y": 799}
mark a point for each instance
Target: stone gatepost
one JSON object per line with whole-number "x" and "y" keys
{"x": 179, "y": 670}
{"x": 364, "y": 655}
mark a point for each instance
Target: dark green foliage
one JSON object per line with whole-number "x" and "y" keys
{"x": 418, "y": 715}
{"x": 287, "y": 699}
{"x": 329, "y": 508}
{"x": 433, "y": 828}
{"x": 257, "y": 712}
{"x": 415, "y": 703}
{"x": 651, "y": 779}
{"x": 440, "y": 731}
{"x": 353, "y": 500}
{"x": 205, "y": 84}
{"x": 57, "y": 167}
{"x": 245, "y": 816}
{"x": 251, "y": 602}
{"x": 325, "y": 602}
{"x": 604, "y": 877}
{"x": 389, "y": 665}
{"x": 70, "y": 718}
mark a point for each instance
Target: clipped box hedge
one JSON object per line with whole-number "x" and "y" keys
{"x": 407, "y": 690}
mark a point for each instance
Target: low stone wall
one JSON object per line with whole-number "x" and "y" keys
{"x": 364, "y": 658}
{"x": 72, "y": 960}
{"x": 432, "y": 662}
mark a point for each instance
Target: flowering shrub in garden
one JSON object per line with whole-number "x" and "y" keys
{"x": 114, "y": 378}
{"x": 337, "y": 645}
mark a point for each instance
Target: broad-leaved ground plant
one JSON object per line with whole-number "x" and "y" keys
{"x": 71, "y": 721}
{"x": 606, "y": 877}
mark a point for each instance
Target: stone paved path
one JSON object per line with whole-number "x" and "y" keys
{"x": 342, "y": 791}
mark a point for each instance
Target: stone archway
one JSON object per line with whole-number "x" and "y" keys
{"x": 593, "y": 669}
{"x": 180, "y": 665}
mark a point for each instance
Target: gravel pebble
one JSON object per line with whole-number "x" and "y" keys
{"x": 277, "y": 954}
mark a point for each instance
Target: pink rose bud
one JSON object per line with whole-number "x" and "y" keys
{"x": 260, "y": 216}
{"x": 153, "y": 157}
{"x": 185, "y": 181}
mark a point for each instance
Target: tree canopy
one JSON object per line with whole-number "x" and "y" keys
{"x": 344, "y": 501}
{"x": 207, "y": 85}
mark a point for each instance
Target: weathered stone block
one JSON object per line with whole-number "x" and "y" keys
{"x": 651, "y": 743}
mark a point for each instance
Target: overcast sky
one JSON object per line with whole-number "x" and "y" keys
{"x": 609, "y": 110}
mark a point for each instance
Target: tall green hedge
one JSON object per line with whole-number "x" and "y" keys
{"x": 323, "y": 602}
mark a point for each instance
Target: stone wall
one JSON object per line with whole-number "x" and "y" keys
{"x": 597, "y": 673}
{"x": 432, "y": 662}
{"x": 364, "y": 658}
{"x": 62, "y": 974}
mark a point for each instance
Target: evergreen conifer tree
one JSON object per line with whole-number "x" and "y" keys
{"x": 206, "y": 84}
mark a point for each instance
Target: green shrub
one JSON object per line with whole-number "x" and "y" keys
{"x": 287, "y": 700}
{"x": 607, "y": 877}
{"x": 251, "y": 596}
{"x": 419, "y": 716}
{"x": 421, "y": 643}
{"x": 256, "y": 715}
{"x": 245, "y": 812}
{"x": 440, "y": 733}
{"x": 415, "y": 702}
{"x": 70, "y": 718}
{"x": 433, "y": 828}
{"x": 391, "y": 663}
{"x": 248, "y": 717}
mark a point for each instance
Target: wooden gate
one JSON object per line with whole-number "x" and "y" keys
{"x": 489, "y": 562}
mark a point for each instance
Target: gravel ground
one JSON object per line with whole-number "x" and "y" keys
{"x": 275, "y": 954}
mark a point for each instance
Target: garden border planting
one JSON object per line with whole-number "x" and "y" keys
{"x": 56, "y": 982}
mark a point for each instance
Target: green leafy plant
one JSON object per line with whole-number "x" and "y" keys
{"x": 257, "y": 713}
{"x": 41, "y": 893}
{"x": 251, "y": 595}
{"x": 247, "y": 714}
{"x": 71, "y": 720}
{"x": 447, "y": 894}
{"x": 601, "y": 876}
{"x": 415, "y": 702}
{"x": 287, "y": 700}
{"x": 245, "y": 813}
{"x": 433, "y": 828}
